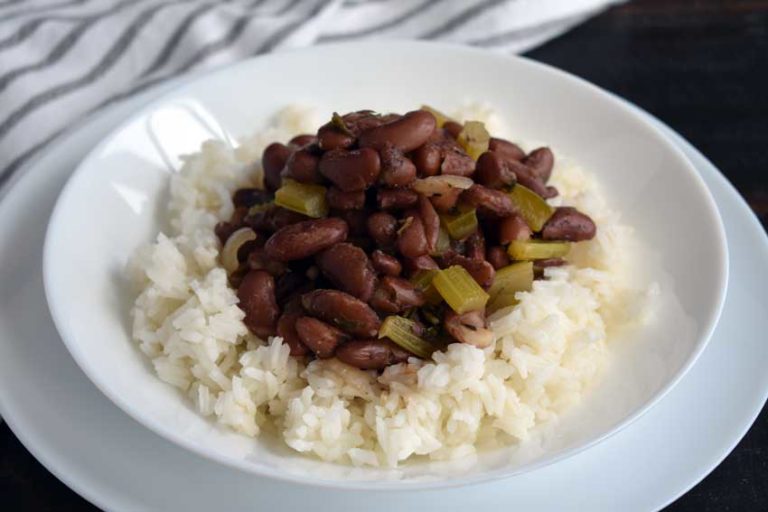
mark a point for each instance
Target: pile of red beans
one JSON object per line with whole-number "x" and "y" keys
{"x": 325, "y": 284}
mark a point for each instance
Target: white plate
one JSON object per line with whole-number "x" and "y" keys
{"x": 125, "y": 179}
{"x": 111, "y": 460}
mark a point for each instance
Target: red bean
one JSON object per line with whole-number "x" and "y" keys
{"x": 299, "y": 241}
{"x": 541, "y": 161}
{"x": 256, "y": 295}
{"x": 257, "y": 260}
{"x": 480, "y": 270}
{"x": 356, "y": 220}
{"x": 568, "y": 223}
{"x": 513, "y": 228}
{"x": 406, "y": 133}
{"x": 286, "y": 329}
{"x": 475, "y": 246}
{"x": 395, "y": 294}
{"x": 330, "y": 137}
{"x": 273, "y": 160}
{"x": 396, "y": 169}
{"x": 386, "y": 264}
{"x": 342, "y": 310}
{"x": 452, "y": 128}
{"x": 382, "y": 227}
{"x": 349, "y": 269}
{"x": 457, "y": 163}
{"x": 340, "y": 200}
{"x": 302, "y": 166}
{"x": 351, "y": 170}
{"x": 427, "y": 159}
{"x": 497, "y": 257}
{"x": 321, "y": 338}
{"x": 506, "y": 149}
{"x": 396, "y": 198}
{"x": 412, "y": 240}
{"x": 431, "y": 222}
{"x": 302, "y": 140}
{"x": 423, "y": 262}
{"x": 371, "y": 354}
{"x": 493, "y": 171}
{"x": 488, "y": 201}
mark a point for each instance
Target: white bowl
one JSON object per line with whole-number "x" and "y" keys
{"x": 112, "y": 204}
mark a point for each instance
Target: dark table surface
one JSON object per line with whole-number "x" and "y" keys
{"x": 700, "y": 66}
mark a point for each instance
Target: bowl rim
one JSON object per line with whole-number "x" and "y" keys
{"x": 453, "y": 481}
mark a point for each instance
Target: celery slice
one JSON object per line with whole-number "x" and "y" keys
{"x": 474, "y": 139}
{"x": 533, "y": 208}
{"x": 508, "y": 281}
{"x": 461, "y": 225}
{"x": 302, "y": 198}
{"x": 423, "y": 281}
{"x": 439, "y": 116}
{"x": 537, "y": 250}
{"x": 460, "y": 290}
{"x": 402, "y": 331}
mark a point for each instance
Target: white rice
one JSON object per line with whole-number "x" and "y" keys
{"x": 549, "y": 349}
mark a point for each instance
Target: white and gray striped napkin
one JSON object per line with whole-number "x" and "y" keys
{"x": 61, "y": 60}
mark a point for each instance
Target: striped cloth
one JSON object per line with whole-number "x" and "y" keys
{"x": 61, "y": 60}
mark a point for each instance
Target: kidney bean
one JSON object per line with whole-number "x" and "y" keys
{"x": 349, "y": 269}
{"x": 396, "y": 169}
{"x": 475, "y": 246}
{"x": 541, "y": 161}
{"x": 273, "y": 160}
{"x": 273, "y": 218}
{"x": 321, "y": 338}
{"x": 223, "y": 230}
{"x": 286, "y": 329}
{"x": 493, "y": 171}
{"x": 247, "y": 197}
{"x": 299, "y": 241}
{"x": 362, "y": 120}
{"x": 452, "y": 128}
{"x": 382, "y": 227}
{"x": 568, "y": 223}
{"x": 291, "y": 283}
{"x": 406, "y": 133}
{"x": 540, "y": 265}
{"x": 513, "y": 228}
{"x": 423, "y": 262}
{"x": 427, "y": 159}
{"x": 504, "y": 148}
{"x": 431, "y": 222}
{"x": 329, "y": 138}
{"x": 356, "y": 220}
{"x": 342, "y": 310}
{"x": 257, "y": 260}
{"x": 412, "y": 240}
{"x": 497, "y": 257}
{"x": 386, "y": 264}
{"x": 395, "y": 294}
{"x": 469, "y": 328}
{"x": 488, "y": 201}
{"x": 256, "y": 295}
{"x": 457, "y": 163}
{"x": 396, "y": 198}
{"x": 302, "y": 140}
{"x": 371, "y": 354}
{"x": 302, "y": 166}
{"x": 445, "y": 202}
{"x": 340, "y": 200}
{"x": 351, "y": 170}
{"x": 527, "y": 178}
{"x": 482, "y": 271}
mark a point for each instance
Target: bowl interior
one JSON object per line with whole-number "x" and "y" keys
{"x": 113, "y": 204}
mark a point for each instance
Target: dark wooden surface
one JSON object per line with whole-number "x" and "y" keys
{"x": 700, "y": 66}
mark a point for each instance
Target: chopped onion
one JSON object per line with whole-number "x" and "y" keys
{"x": 233, "y": 244}
{"x": 438, "y": 185}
